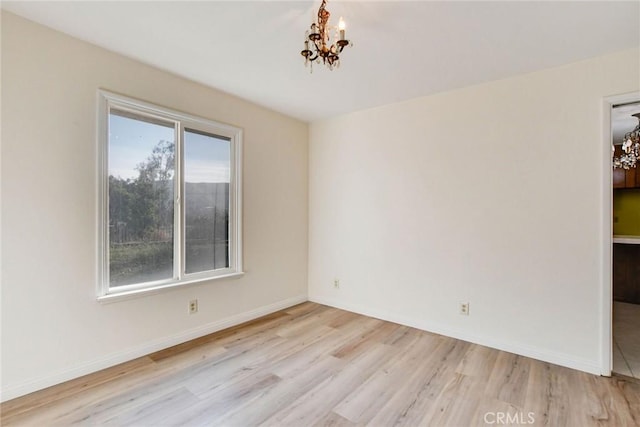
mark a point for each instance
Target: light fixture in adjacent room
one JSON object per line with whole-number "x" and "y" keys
{"x": 317, "y": 41}
{"x": 630, "y": 148}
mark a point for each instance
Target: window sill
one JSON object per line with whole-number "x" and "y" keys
{"x": 137, "y": 293}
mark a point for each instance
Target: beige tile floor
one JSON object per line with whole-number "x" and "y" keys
{"x": 626, "y": 339}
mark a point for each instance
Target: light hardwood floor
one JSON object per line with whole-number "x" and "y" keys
{"x": 316, "y": 365}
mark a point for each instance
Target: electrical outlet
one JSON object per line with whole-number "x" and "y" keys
{"x": 193, "y": 306}
{"x": 336, "y": 283}
{"x": 464, "y": 308}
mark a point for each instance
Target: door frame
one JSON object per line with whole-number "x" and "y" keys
{"x": 606, "y": 307}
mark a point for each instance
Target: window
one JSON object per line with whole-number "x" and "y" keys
{"x": 169, "y": 197}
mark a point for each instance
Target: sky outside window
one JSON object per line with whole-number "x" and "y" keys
{"x": 206, "y": 157}
{"x": 131, "y": 142}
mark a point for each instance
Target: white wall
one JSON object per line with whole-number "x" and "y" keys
{"x": 53, "y": 328}
{"x": 490, "y": 194}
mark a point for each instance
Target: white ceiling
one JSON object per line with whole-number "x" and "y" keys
{"x": 402, "y": 49}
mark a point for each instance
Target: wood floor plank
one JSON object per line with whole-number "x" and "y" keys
{"x": 490, "y": 411}
{"x": 208, "y": 378}
{"x": 365, "y": 401}
{"x": 277, "y": 398}
{"x": 429, "y": 390}
{"x": 211, "y": 411}
{"x": 605, "y": 402}
{"x": 478, "y": 362}
{"x": 547, "y": 394}
{"x": 368, "y": 335}
{"x": 153, "y": 412}
{"x": 412, "y": 398}
{"x": 454, "y": 406}
{"x": 320, "y": 400}
{"x": 420, "y": 396}
{"x": 509, "y": 377}
{"x": 316, "y": 365}
{"x": 223, "y": 337}
{"x": 332, "y": 420}
{"x": 301, "y": 325}
{"x": 73, "y": 387}
{"x": 111, "y": 396}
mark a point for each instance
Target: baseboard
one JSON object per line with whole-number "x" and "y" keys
{"x": 521, "y": 349}
{"x": 142, "y": 350}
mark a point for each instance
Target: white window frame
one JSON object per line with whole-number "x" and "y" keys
{"x": 108, "y": 100}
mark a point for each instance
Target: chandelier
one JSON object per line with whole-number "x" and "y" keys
{"x": 320, "y": 48}
{"x": 630, "y": 148}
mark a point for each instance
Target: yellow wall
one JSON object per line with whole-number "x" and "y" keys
{"x": 626, "y": 212}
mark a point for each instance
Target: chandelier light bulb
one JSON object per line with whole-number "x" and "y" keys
{"x": 342, "y": 26}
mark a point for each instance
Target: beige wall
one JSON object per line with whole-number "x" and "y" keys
{"x": 491, "y": 194}
{"x": 52, "y": 326}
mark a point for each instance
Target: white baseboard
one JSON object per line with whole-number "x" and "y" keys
{"x": 126, "y": 355}
{"x": 545, "y": 355}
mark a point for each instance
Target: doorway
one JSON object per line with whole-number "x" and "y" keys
{"x": 625, "y": 246}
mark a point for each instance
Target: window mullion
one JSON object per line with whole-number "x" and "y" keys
{"x": 178, "y": 243}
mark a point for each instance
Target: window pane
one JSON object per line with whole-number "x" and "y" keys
{"x": 207, "y": 172}
{"x": 141, "y": 208}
